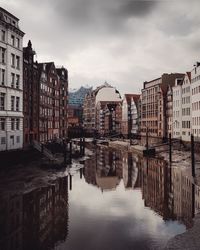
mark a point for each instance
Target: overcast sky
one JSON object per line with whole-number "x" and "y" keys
{"x": 123, "y": 42}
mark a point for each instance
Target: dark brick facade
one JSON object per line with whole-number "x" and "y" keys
{"x": 63, "y": 82}
{"x": 30, "y": 95}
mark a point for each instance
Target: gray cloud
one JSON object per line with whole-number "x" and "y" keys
{"x": 131, "y": 8}
{"x": 122, "y": 41}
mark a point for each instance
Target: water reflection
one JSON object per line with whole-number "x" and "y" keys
{"x": 117, "y": 201}
{"x": 34, "y": 220}
{"x": 168, "y": 191}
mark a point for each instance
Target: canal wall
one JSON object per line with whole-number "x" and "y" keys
{"x": 18, "y": 157}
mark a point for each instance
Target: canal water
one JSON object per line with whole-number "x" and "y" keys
{"x": 116, "y": 201}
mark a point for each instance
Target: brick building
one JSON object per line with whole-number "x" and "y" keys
{"x": 49, "y": 107}
{"x": 30, "y": 95}
{"x": 154, "y": 105}
{"x": 63, "y": 82}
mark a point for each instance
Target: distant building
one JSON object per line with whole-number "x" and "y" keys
{"x": 108, "y": 117}
{"x": 154, "y": 105}
{"x": 11, "y": 82}
{"x": 103, "y": 93}
{"x": 75, "y": 114}
{"x": 130, "y": 115}
{"x": 63, "y": 89}
{"x": 30, "y": 95}
{"x": 75, "y": 111}
{"x": 76, "y": 97}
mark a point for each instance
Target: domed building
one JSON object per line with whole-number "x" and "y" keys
{"x": 102, "y": 110}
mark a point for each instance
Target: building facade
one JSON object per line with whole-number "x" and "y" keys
{"x": 108, "y": 118}
{"x": 154, "y": 105}
{"x": 169, "y": 111}
{"x": 63, "y": 82}
{"x": 75, "y": 110}
{"x": 195, "y": 100}
{"x": 130, "y": 116}
{"x": 186, "y": 108}
{"x": 11, "y": 82}
{"x": 103, "y": 93}
{"x": 49, "y": 104}
{"x": 177, "y": 108}
{"x": 182, "y": 108}
{"x": 30, "y": 95}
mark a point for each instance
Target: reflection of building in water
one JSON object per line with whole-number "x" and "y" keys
{"x": 104, "y": 169}
{"x": 36, "y": 220}
{"x": 11, "y": 222}
{"x": 130, "y": 170}
{"x": 197, "y": 199}
{"x": 183, "y": 196}
{"x": 154, "y": 185}
{"x": 90, "y": 170}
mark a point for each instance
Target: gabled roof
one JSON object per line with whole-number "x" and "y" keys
{"x": 189, "y": 75}
{"x": 129, "y": 97}
{"x": 48, "y": 66}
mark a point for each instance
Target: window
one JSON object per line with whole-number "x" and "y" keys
{"x": 18, "y": 139}
{"x": 18, "y": 42}
{"x": 17, "y": 103}
{"x": 3, "y": 55}
{"x": 12, "y": 124}
{"x": 2, "y": 124}
{"x": 12, "y": 103}
{"x": 3, "y": 140}
{"x": 2, "y": 101}
{"x": 17, "y": 124}
{"x": 12, "y": 139}
{"x": 12, "y": 40}
{"x": 3, "y": 35}
{"x": 18, "y": 62}
{"x": 12, "y": 80}
{"x": 17, "y": 81}
{"x": 3, "y": 77}
{"x": 12, "y": 60}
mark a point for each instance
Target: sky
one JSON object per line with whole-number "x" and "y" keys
{"x": 122, "y": 42}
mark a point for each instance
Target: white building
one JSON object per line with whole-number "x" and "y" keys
{"x": 130, "y": 115}
{"x": 11, "y": 82}
{"x": 177, "y": 108}
{"x": 186, "y": 108}
{"x": 195, "y": 100}
{"x": 103, "y": 93}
